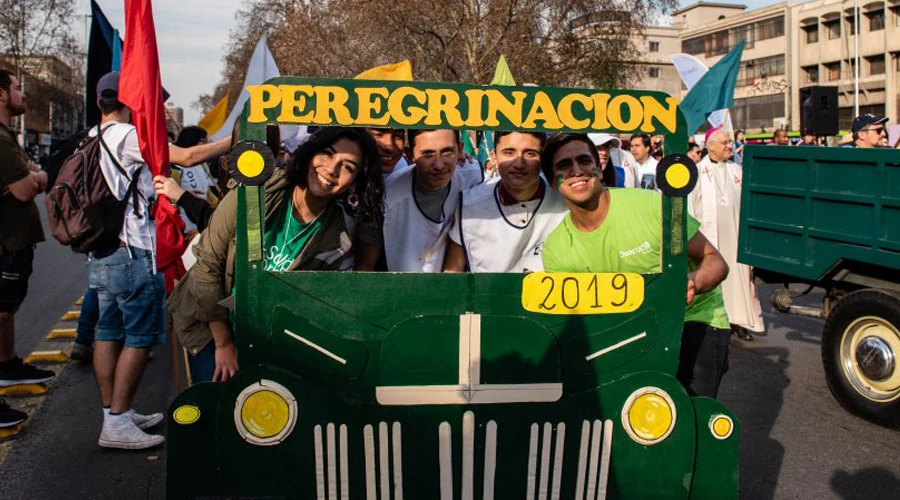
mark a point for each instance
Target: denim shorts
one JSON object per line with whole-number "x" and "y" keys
{"x": 131, "y": 297}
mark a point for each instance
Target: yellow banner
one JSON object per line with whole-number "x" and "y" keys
{"x": 214, "y": 120}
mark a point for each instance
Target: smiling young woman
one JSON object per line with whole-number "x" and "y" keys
{"x": 305, "y": 229}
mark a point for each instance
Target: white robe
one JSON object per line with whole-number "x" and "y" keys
{"x": 716, "y": 203}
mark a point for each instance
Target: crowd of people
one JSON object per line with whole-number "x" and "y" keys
{"x": 369, "y": 200}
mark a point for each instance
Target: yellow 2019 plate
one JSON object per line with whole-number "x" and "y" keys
{"x": 582, "y": 293}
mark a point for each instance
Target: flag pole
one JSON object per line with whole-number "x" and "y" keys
{"x": 856, "y": 58}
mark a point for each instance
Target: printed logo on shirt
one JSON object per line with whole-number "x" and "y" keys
{"x": 538, "y": 249}
{"x": 640, "y": 249}
{"x": 276, "y": 260}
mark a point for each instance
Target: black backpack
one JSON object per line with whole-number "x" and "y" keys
{"x": 83, "y": 213}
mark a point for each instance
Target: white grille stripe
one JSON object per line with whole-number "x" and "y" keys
{"x": 445, "y": 451}
{"x": 532, "y": 461}
{"x": 397, "y": 442}
{"x": 490, "y": 460}
{"x": 320, "y": 465}
{"x": 383, "y": 466}
{"x": 467, "y": 491}
{"x": 345, "y": 468}
{"x": 332, "y": 463}
{"x": 369, "y": 438}
{"x": 545, "y": 461}
{"x": 558, "y": 460}
{"x": 594, "y": 463}
{"x": 604, "y": 461}
{"x": 582, "y": 460}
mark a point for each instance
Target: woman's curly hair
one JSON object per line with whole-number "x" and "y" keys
{"x": 368, "y": 186}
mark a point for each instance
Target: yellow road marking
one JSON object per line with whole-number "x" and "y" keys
{"x": 62, "y": 334}
{"x": 71, "y": 316}
{"x": 47, "y": 357}
{"x": 24, "y": 390}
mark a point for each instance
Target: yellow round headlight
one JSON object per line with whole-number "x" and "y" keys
{"x": 721, "y": 426}
{"x": 265, "y": 413}
{"x": 186, "y": 414}
{"x": 649, "y": 415}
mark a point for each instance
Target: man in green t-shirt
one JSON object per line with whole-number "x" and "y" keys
{"x": 620, "y": 230}
{"x": 20, "y": 230}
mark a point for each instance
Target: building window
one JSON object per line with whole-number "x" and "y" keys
{"x": 876, "y": 65}
{"x": 832, "y": 72}
{"x": 812, "y": 33}
{"x": 851, "y": 30}
{"x": 756, "y": 69}
{"x": 812, "y": 74}
{"x": 757, "y": 112}
{"x": 845, "y": 115}
{"x": 654, "y": 46}
{"x": 876, "y": 20}
{"x": 654, "y": 72}
{"x": 833, "y": 28}
{"x": 693, "y": 46}
{"x": 770, "y": 28}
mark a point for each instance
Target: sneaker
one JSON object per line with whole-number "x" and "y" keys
{"x": 82, "y": 353}
{"x": 10, "y": 417}
{"x": 121, "y": 432}
{"x": 145, "y": 421}
{"x": 24, "y": 373}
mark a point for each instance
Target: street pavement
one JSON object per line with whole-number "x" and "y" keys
{"x": 796, "y": 442}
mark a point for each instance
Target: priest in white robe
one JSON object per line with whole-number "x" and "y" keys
{"x": 716, "y": 203}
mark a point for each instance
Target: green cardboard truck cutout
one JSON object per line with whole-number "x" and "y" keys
{"x": 383, "y": 386}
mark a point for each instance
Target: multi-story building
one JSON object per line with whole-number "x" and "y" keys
{"x": 174, "y": 118}
{"x": 788, "y": 46}
{"x": 654, "y": 69}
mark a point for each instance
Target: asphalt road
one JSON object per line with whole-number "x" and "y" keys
{"x": 796, "y": 442}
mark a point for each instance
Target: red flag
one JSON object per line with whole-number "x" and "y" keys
{"x": 140, "y": 88}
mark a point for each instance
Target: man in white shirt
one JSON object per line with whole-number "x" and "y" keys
{"x": 639, "y": 145}
{"x": 716, "y": 203}
{"x": 500, "y": 227}
{"x": 420, "y": 201}
{"x": 130, "y": 292}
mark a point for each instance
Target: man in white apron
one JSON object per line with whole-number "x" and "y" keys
{"x": 420, "y": 201}
{"x": 716, "y": 203}
{"x": 500, "y": 227}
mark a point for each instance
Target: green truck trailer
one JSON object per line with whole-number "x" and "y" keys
{"x": 453, "y": 386}
{"x": 830, "y": 218}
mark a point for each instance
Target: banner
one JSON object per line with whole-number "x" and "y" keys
{"x": 713, "y": 91}
{"x": 261, "y": 68}
{"x": 214, "y": 120}
{"x": 691, "y": 69}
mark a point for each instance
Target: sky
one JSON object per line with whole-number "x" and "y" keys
{"x": 192, "y": 35}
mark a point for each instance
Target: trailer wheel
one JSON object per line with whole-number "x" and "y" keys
{"x": 861, "y": 355}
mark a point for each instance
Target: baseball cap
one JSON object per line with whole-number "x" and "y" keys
{"x": 108, "y": 86}
{"x": 601, "y": 139}
{"x": 863, "y": 121}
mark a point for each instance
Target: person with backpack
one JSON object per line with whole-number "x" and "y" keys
{"x": 122, "y": 267}
{"x": 20, "y": 230}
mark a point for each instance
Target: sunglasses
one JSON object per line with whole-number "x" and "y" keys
{"x": 877, "y": 130}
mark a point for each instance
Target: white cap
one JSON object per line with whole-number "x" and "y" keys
{"x": 601, "y": 139}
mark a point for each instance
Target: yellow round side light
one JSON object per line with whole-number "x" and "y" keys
{"x": 721, "y": 426}
{"x": 186, "y": 414}
{"x": 649, "y": 416}
{"x": 251, "y": 163}
{"x": 265, "y": 413}
{"x": 678, "y": 175}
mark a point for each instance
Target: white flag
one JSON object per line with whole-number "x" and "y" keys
{"x": 690, "y": 69}
{"x": 262, "y": 67}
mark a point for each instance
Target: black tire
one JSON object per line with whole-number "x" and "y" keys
{"x": 866, "y": 320}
